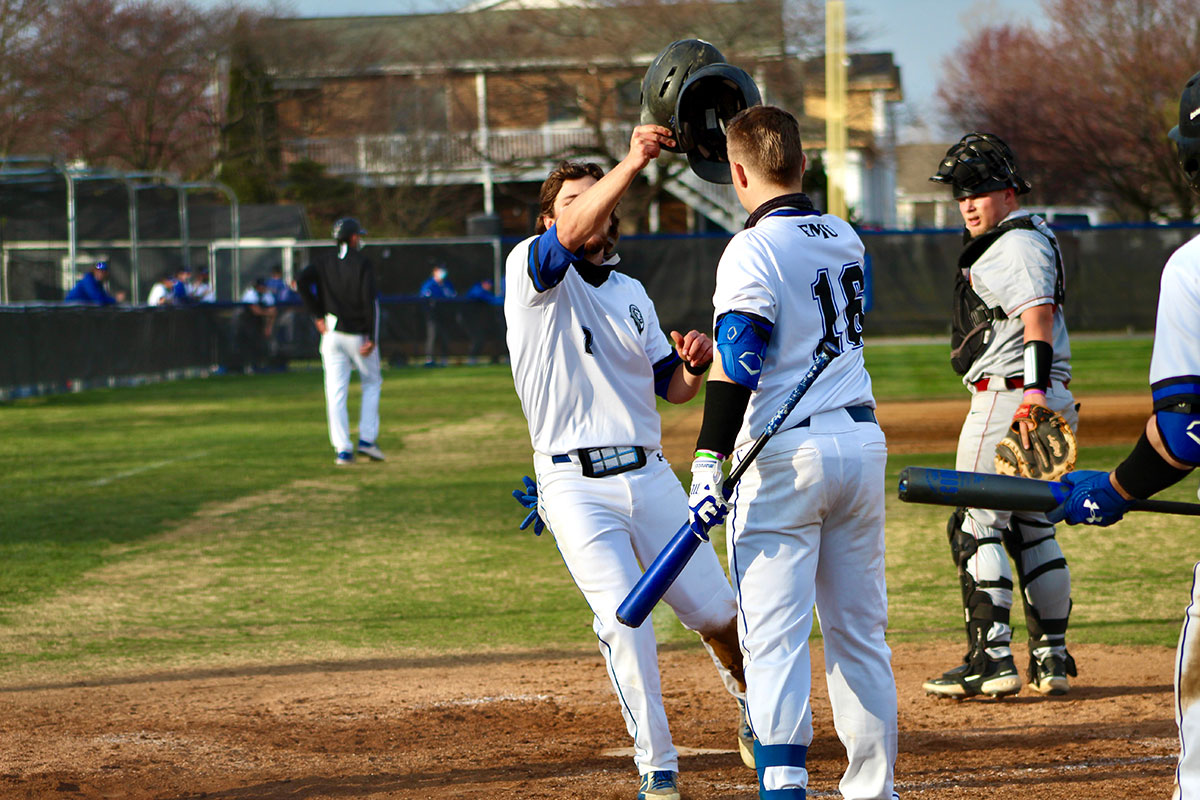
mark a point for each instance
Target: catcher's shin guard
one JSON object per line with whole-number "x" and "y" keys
{"x": 979, "y": 611}
{"x": 1044, "y": 578}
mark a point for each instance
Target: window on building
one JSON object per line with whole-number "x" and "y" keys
{"x": 629, "y": 98}
{"x": 562, "y": 105}
{"x": 420, "y": 109}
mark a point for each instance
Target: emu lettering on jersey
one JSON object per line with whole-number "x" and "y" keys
{"x": 817, "y": 230}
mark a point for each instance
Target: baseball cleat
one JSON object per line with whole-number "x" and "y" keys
{"x": 344, "y": 459}
{"x": 371, "y": 450}
{"x": 658, "y": 786}
{"x": 745, "y": 736}
{"x": 997, "y": 678}
{"x": 1049, "y": 676}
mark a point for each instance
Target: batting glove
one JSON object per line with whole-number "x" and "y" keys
{"x": 528, "y": 498}
{"x": 706, "y": 502}
{"x": 1093, "y": 500}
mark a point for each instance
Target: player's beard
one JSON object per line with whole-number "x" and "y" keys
{"x": 595, "y": 246}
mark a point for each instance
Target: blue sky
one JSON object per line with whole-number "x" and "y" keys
{"x": 919, "y": 33}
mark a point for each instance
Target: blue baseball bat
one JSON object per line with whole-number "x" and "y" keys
{"x": 950, "y": 487}
{"x": 666, "y": 567}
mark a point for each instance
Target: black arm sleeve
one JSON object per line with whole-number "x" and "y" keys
{"x": 724, "y": 408}
{"x": 309, "y": 289}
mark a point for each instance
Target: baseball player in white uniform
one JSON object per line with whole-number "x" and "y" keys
{"x": 806, "y": 522}
{"x": 588, "y": 358}
{"x": 1011, "y": 348}
{"x": 1169, "y": 449}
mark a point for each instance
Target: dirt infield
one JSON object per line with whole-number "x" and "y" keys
{"x": 932, "y": 426}
{"x": 546, "y": 725}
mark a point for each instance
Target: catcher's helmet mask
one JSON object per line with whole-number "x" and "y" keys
{"x": 690, "y": 90}
{"x": 980, "y": 163}
{"x": 1186, "y": 134}
{"x": 346, "y": 227}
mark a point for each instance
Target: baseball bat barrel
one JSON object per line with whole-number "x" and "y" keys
{"x": 658, "y": 577}
{"x": 949, "y": 487}
{"x": 670, "y": 562}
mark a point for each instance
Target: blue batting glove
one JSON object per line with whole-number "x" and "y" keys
{"x": 1093, "y": 500}
{"x": 706, "y": 503}
{"x": 528, "y": 498}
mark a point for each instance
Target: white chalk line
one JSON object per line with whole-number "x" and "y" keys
{"x": 129, "y": 473}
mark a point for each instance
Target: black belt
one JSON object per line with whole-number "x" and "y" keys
{"x": 857, "y": 413}
{"x": 598, "y": 462}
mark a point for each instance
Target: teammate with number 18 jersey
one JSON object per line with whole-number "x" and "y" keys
{"x": 806, "y": 524}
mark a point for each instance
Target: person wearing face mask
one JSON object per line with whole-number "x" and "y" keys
{"x": 436, "y": 288}
{"x": 340, "y": 291}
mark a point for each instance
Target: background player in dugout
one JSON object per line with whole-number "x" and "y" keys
{"x": 1010, "y": 346}
{"x": 1169, "y": 449}
{"x": 807, "y": 526}
{"x": 588, "y": 357}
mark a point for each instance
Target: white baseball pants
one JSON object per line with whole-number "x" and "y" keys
{"x": 1187, "y": 698}
{"x": 603, "y": 527}
{"x": 339, "y": 355}
{"x": 806, "y": 529}
{"x": 1050, "y": 593}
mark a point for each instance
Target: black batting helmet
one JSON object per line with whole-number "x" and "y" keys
{"x": 346, "y": 227}
{"x": 979, "y": 163}
{"x": 1186, "y": 134}
{"x": 690, "y": 90}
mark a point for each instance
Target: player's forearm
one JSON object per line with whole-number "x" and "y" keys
{"x": 1142, "y": 466}
{"x": 590, "y": 212}
{"x": 684, "y": 385}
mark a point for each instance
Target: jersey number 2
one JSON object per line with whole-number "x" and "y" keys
{"x": 851, "y": 283}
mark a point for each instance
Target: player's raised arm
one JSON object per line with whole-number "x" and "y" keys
{"x": 588, "y": 213}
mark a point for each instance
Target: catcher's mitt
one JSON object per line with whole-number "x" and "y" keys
{"x": 1052, "y": 448}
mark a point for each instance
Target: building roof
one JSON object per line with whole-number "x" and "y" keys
{"x": 508, "y": 34}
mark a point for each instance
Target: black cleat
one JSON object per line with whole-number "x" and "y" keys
{"x": 1049, "y": 676}
{"x": 997, "y": 678}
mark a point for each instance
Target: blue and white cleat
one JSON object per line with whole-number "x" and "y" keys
{"x": 745, "y": 735}
{"x": 371, "y": 451}
{"x": 658, "y": 786}
{"x": 344, "y": 459}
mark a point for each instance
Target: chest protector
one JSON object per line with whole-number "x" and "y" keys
{"x": 972, "y": 318}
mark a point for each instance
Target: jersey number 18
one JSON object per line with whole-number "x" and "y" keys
{"x": 851, "y": 282}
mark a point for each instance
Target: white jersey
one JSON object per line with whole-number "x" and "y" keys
{"x": 1018, "y": 273}
{"x": 585, "y": 359}
{"x": 802, "y": 271}
{"x": 1177, "y": 327}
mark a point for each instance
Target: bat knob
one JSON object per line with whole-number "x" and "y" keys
{"x": 903, "y": 488}
{"x": 830, "y": 349}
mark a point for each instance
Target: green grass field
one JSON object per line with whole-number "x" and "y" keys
{"x": 203, "y": 523}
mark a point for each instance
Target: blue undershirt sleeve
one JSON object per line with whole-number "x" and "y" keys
{"x": 664, "y": 370}
{"x": 548, "y": 260}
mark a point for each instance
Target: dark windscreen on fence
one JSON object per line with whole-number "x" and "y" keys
{"x": 1112, "y": 277}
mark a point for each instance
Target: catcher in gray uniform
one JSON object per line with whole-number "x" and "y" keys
{"x": 1010, "y": 347}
